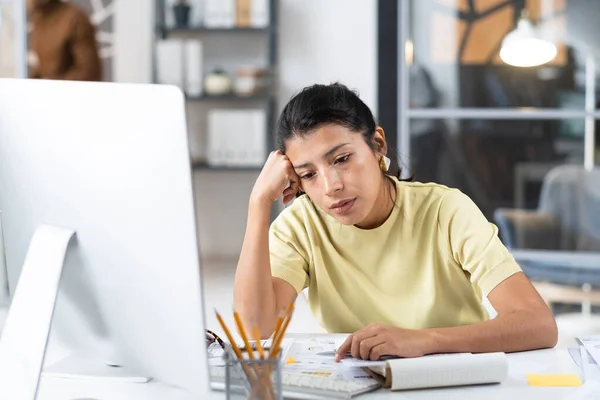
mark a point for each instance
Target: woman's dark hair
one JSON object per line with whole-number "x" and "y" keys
{"x": 319, "y": 105}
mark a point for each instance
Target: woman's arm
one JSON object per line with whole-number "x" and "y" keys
{"x": 258, "y": 296}
{"x": 524, "y": 322}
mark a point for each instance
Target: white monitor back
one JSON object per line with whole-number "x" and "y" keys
{"x": 110, "y": 161}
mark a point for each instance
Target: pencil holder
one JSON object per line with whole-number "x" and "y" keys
{"x": 258, "y": 379}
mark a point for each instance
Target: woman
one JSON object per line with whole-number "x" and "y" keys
{"x": 400, "y": 265}
{"x": 63, "y": 41}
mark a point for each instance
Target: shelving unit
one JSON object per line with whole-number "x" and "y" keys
{"x": 231, "y": 98}
{"x": 201, "y": 165}
{"x": 169, "y": 31}
{"x": 267, "y": 98}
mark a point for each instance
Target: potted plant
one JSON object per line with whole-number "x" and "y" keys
{"x": 218, "y": 82}
{"x": 181, "y": 10}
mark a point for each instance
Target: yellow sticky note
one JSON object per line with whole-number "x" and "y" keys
{"x": 290, "y": 360}
{"x": 553, "y": 380}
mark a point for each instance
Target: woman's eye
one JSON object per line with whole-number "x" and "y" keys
{"x": 307, "y": 176}
{"x": 342, "y": 159}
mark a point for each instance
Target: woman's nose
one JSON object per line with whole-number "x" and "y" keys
{"x": 333, "y": 183}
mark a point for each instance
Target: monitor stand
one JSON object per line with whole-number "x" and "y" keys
{"x": 26, "y": 330}
{"x": 27, "y": 326}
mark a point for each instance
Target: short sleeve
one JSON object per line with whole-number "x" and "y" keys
{"x": 288, "y": 250}
{"x": 474, "y": 243}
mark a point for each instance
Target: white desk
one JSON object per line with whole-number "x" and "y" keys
{"x": 515, "y": 387}
{"x": 59, "y": 389}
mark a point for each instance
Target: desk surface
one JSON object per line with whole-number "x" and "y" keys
{"x": 515, "y": 387}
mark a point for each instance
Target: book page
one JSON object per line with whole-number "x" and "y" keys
{"x": 448, "y": 370}
{"x": 316, "y": 357}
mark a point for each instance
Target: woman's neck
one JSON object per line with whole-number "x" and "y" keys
{"x": 383, "y": 205}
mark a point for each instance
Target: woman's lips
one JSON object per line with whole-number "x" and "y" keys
{"x": 342, "y": 207}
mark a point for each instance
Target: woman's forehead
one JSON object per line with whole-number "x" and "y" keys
{"x": 323, "y": 136}
{"x": 316, "y": 145}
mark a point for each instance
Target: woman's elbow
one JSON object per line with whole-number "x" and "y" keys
{"x": 265, "y": 326}
{"x": 547, "y": 330}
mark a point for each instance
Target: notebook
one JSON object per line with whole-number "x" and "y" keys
{"x": 440, "y": 370}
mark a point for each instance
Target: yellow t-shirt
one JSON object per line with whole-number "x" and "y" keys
{"x": 425, "y": 267}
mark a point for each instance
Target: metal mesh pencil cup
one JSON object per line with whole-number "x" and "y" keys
{"x": 252, "y": 379}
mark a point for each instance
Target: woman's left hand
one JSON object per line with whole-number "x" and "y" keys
{"x": 377, "y": 340}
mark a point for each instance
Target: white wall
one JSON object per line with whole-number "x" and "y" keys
{"x": 321, "y": 41}
{"x": 133, "y": 23}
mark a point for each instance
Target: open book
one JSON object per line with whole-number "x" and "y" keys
{"x": 441, "y": 370}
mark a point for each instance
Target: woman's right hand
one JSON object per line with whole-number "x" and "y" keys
{"x": 274, "y": 178}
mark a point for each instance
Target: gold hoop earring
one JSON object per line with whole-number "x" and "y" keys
{"x": 384, "y": 163}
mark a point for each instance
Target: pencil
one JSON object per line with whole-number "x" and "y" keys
{"x": 236, "y": 350}
{"x": 263, "y": 380}
{"x": 277, "y": 341}
{"x": 274, "y": 351}
{"x": 266, "y": 370}
{"x": 240, "y": 326}
{"x": 280, "y": 327}
{"x": 281, "y": 318}
{"x": 256, "y": 334}
{"x": 277, "y": 345}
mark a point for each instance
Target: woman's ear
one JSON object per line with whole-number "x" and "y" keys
{"x": 379, "y": 142}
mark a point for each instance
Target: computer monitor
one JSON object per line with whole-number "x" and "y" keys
{"x": 111, "y": 162}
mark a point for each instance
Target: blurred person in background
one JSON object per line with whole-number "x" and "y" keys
{"x": 63, "y": 42}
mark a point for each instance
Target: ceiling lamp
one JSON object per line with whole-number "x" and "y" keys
{"x": 524, "y": 48}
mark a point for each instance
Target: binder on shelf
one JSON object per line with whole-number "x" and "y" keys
{"x": 257, "y": 148}
{"x": 169, "y": 68}
{"x": 217, "y": 144}
{"x": 243, "y": 17}
{"x": 259, "y": 13}
{"x": 219, "y": 13}
{"x": 193, "y": 68}
{"x": 236, "y": 137}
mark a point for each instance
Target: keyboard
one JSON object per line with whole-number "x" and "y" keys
{"x": 308, "y": 387}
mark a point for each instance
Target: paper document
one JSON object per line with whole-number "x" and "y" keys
{"x": 215, "y": 351}
{"x": 586, "y": 358}
{"x": 316, "y": 357}
{"x": 357, "y": 362}
{"x": 592, "y": 345}
{"x": 575, "y": 354}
